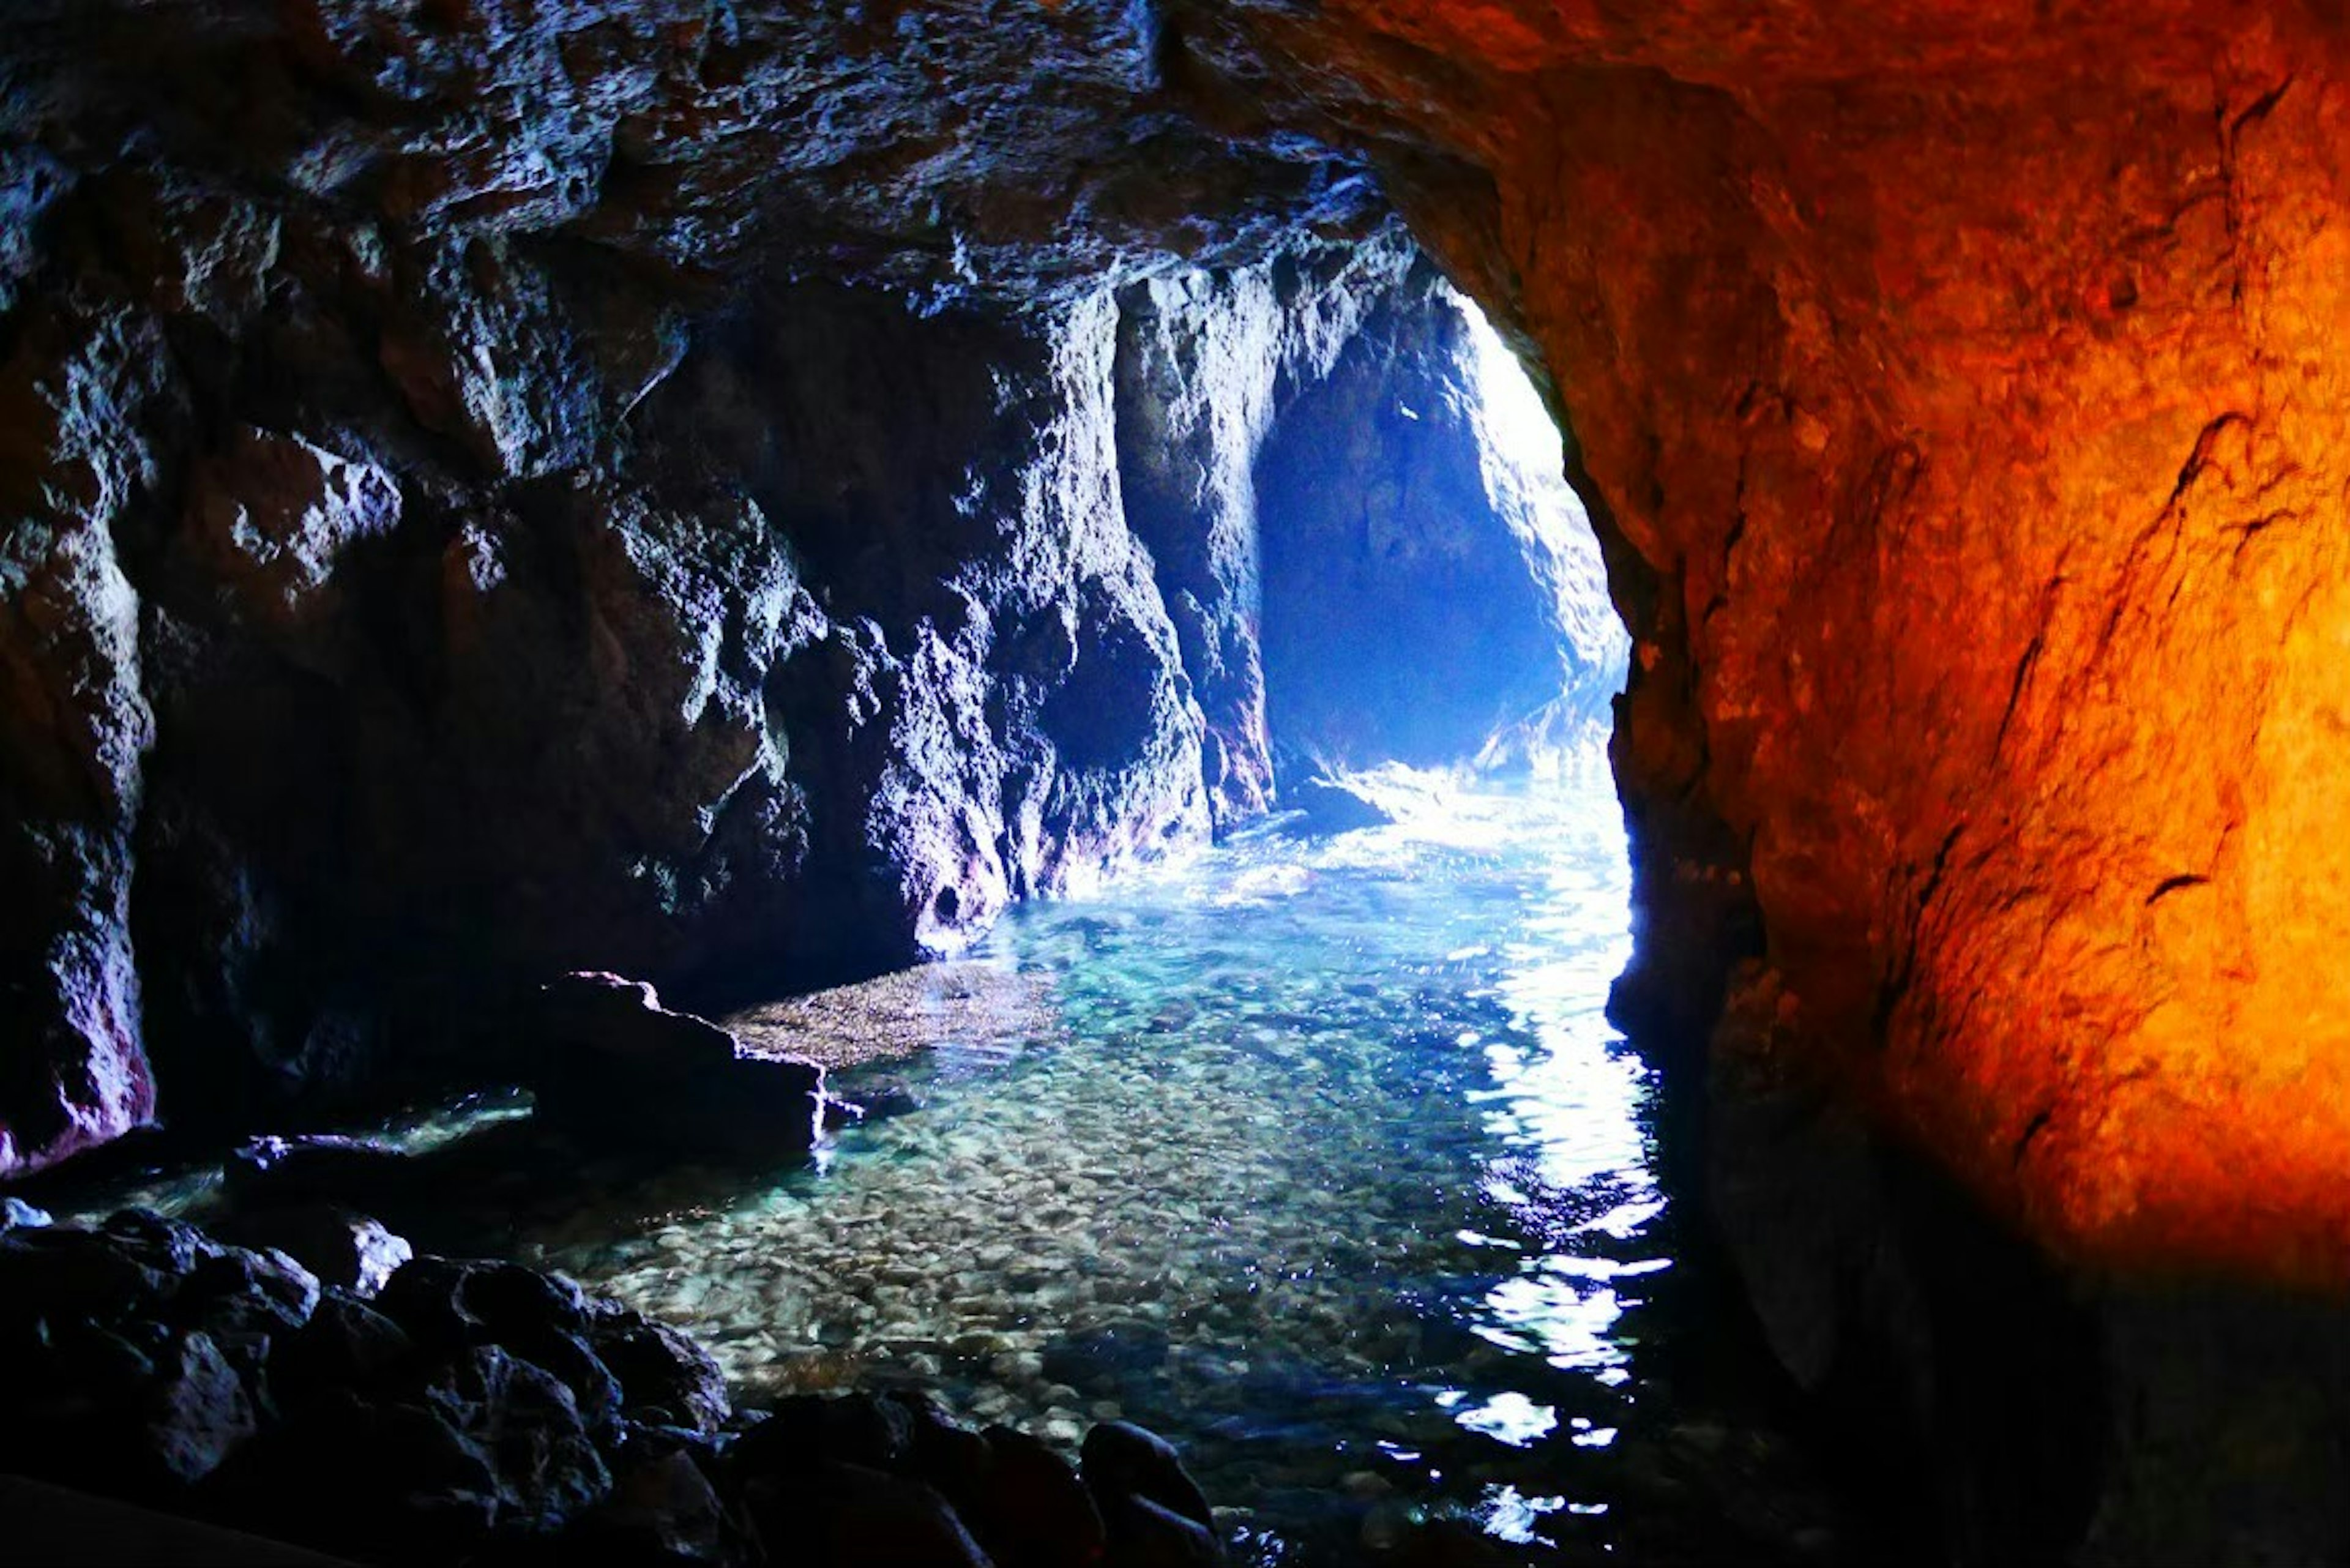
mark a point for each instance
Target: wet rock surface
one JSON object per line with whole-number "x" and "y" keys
{"x": 482, "y": 1412}
{"x": 331, "y": 330}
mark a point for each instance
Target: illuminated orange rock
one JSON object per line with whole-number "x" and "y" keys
{"x": 1966, "y": 382}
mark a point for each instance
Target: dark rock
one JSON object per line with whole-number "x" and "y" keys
{"x": 805, "y": 1432}
{"x": 240, "y": 1293}
{"x": 851, "y": 1513}
{"x": 662, "y": 1510}
{"x": 452, "y": 1304}
{"x": 198, "y": 1413}
{"x": 339, "y": 1247}
{"x": 172, "y": 1247}
{"x": 594, "y": 1389}
{"x": 528, "y": 1429}
{"x": 371, "y": 1480}
{"x": 322, "y": 1169}
{"x": 346, "y": 1346}
{"x": 610, "y": 1064}
{"x": 1145, "y": 1534}
{"x": 1123, "y": 1462}
{"x": 945, "y": 1453}
{"x": 665, "y": 1377}
{"x": 607, "y": 1016}
{"x": 1034, "y": 1508}
{"x": 1330, "y": 806}
{"x": 77, "y": 1276}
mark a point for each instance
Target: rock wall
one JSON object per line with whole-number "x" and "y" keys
{"x": 1951, "y": 388}
{"x": 550, "y": 633}
{"x": 442, "y": 556}
{"x": 1958, "y": 382}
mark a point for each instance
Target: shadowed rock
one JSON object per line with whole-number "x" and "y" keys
{"x": 609, "y": 1063}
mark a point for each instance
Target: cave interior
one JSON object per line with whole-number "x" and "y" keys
{"x": 589, "y": 586}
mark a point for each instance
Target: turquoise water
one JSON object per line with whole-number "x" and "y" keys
{"x": 1318, "y": 1157}
{"x": 1333, "y": 1171}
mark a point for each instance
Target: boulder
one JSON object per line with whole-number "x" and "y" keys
{"x": 1147, "y": 1498}
{"x": 266, "y": 1290}
{"x": 851, "y": 1513}
{"x": 1146, "y": 1534}
{"x": 806, "y": 1432}
{"x": 948, "y": 1454}
{"x": 529, "y": 1430}
{"x": 663, "y": 1510}
{"x": 269, "y": 1173}
{"x": 1033, "y": 1508}
{"x": 198, "y": 1412}
{"x": 452, "y": 1304}
{"x": 339, "y": 1247}
{"x": 1330, "y": 807}
{"x": 346, "y": 1347}
{"x": 62, "y": 1276}
{"x": 609, "y": 1062}
{"x": 665, "y": 1379}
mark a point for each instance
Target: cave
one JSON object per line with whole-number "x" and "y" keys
{"x": 1561, "y": 774}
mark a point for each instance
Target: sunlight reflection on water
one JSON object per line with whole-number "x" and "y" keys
{"x": 1335, "y": 1166}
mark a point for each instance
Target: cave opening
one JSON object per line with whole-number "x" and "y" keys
{"x": 1433, "y": 591}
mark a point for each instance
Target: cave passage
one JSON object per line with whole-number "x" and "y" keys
{"x": 1312, "y": 1150}
{"x": 1432, "y": 593}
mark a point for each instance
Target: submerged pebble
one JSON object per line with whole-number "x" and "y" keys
{"x": 1270, "y": 1158}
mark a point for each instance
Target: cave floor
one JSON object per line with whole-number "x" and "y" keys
{"x": 1317, "y": 1156}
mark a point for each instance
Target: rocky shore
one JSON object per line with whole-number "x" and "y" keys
{"x": 384, "y": 1409}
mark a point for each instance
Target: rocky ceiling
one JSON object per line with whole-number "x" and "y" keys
{"x": 1960, "y": 381}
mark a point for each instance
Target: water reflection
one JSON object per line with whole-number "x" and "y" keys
{"x": 1329, "y": 1164}
{"x": 1319, "y": 1156}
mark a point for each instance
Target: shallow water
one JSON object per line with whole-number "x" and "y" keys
{"x": 1318, "y": 1157}
{"x": 1335, "y": 1173}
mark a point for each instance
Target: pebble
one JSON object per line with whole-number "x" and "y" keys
{"x": 1276, "y": 1179}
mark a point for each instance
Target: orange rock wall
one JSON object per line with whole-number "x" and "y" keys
{"x": 1967, "y": 383}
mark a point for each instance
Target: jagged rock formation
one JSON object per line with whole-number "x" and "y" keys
{"x": 1945, "y": 378}
{"x": 445, "y": 553}
{"x": 1958, "y": 380}
{"x": 451, "y": 1410}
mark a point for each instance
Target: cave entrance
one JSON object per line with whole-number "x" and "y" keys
{"x": 1433, "y": 591}
{"x": 1354, "y": 502}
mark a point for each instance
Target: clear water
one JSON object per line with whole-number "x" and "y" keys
{"x": 1335, "y": 1173}
{"x": 1317, "y": 1157}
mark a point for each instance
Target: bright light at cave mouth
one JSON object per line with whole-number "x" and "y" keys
{"x": 1521, "y": 418}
